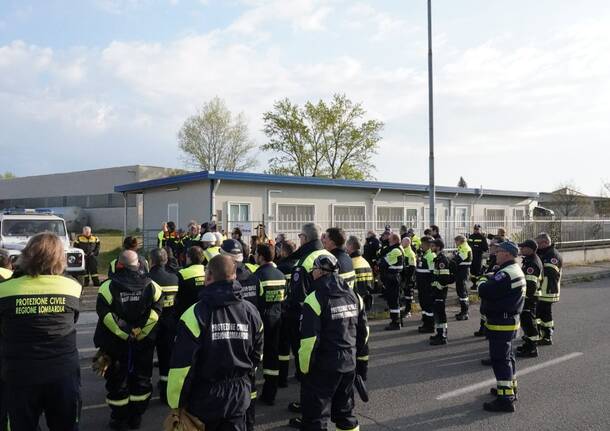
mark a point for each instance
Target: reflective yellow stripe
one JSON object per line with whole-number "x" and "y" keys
{"x": 104, "y": 290}
{"x": 113, "y": 327}
{"x": 305, "y": 351}
{"x": 547, "y": 324}
{"x": 6, "y": 273}
{"x": 253, "y": 395}
{"x": 191, "y": 322}
{"x": 153, "y": 318}
{"x": 312, "y": 301}
{"x": 345, "y": 275}
{"x": 357, "y": 428}
{"x": 550, "y": 265}
{"x": 137, "y": 398}
{"x": 284, "y": 357}
{"x": 271, "y": 372}
{"x": 118, "y": 403}
{"x": 532, "y": 278}
{"x": 169, "y": 289}
{"x": 41, "y": 285}
{"x": 192, "y": 271}
{"x": 157, "y": 293}
{"x": 363, "y": 358}
{"x": 267, "y": 283}
{"x": 175, "y": 382}
{"x": 502, "y": 327}
{"x": 308, "y": 262}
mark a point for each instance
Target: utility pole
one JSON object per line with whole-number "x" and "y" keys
{"x": 432, "y": 187}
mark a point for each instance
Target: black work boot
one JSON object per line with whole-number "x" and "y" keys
{"x": 486, "y": 362}
{"x": 425, "y": 329}
{"x": 393, "y": 326}
{"x": 440, "y": 338}
{"x": 500, "y": 404}
{"x": 546, "y": 341}
{"x": 463, "y": 314}
{"x": 294, "y": 407}
{"x": 527, "y": 350}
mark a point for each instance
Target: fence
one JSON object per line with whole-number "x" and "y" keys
{"x": 565, "y": 233}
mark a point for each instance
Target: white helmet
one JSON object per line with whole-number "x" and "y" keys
{"x": 208, "y": 237}
{"x": 218, "y": 236}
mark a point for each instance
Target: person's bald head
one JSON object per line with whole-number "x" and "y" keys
{"x": 394, "y": 239}
{"x": 129, "y": 260}
{"x": 220, "y": 268}
{"x": 406, "y": 242}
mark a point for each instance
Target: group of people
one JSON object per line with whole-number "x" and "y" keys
{"x": 215, "y": 312}
{"x": 513, "y": 295}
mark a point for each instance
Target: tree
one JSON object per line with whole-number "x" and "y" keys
{"x": 321, "y": 140}
{"x": 568, "y": 201}
{"x": 214, "y": 140}
{"x": 7, "y": 176}
{"x": 462, "y": 183}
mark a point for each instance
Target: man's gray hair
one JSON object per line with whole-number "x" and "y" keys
{"x": 544, "y": 236}
{"x": 158, "y": 257}
{"x": 354, "y": 242}
{"x": 311, "y": 231}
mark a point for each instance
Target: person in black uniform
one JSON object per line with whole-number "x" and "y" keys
{"x": 271, "y": 293}
{"x": 334, "y": 240}
{"x": 531, "y": 266}
{"x": 364, "y": 273}
{"x": 435, "y": 232}
{"x": 478, "y": 243}
{"x": 550, "y": 288}
{"x": 489, "y": 268}
{"x": 334, "y": 347}
{"x": 441, "y": 278}
{"x": 90, "y": 245}
{"x": 502, "y": 297}
{"x": 237, "y": 236}
{"x": 424, "y": 274}
{"x": 244, "y": 270}
{"x": 285, "y": 264}
{"x": 218, "y": 346}
{"x": 191, "y": 280}
{"x": 128, "y": 306}
{"x": 371, "y": 248}
{"x": 391, "y": 264}
{"x": 168, "y": 282}
{"x": 38, "y": 313}
{"x": 301, "y": 285}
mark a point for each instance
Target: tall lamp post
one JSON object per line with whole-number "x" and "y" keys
{"x": 432, "y": 187}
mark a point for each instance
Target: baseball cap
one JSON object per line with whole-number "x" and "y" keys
{"x": 326, "y": 263}
{"x": 231, "y": 247}
{"x": 509, "y": 247}
{"x": 529, "y": 243}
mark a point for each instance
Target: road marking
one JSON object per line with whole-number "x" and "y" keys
{"x": 490, "y": 382}
{"x": 101, "y": 406}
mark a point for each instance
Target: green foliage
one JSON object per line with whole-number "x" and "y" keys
{"x": 321, "y": 140}
{"x": 215, "y": 140}
{"x": 7, "y": 176}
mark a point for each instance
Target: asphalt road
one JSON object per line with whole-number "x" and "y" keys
{"x": 417, "y": 386}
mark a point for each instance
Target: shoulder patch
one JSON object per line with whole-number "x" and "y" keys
{"x": 296, "y": 276}
{"x": 554, "y": 261}
{"x": 500, "y": 275}
{"x": 530, "y": 270}
{"x": 441, "y": 265}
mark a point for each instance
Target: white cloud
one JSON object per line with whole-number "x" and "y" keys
{"x": 494, "y": 100}
{"x": 382, "y": 25}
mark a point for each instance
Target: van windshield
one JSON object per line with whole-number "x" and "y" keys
{"x": 32, "y": 227}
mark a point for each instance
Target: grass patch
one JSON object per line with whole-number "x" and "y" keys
{"x": 110, "y": 247}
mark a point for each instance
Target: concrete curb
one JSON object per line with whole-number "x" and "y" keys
{"x": 584, "y": 278}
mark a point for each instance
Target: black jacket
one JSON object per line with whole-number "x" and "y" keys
{"x": 551, "y": 283}
{"x": 219, "y": 343}
{"x": 334, "y": 328}
{"x": 190, "y": 282}
{"x": 300, "y": 280}
{"x": 271, "y": 291}
{"x": 168, "y": 282}
{"x": 90, "y": 245}
{"x": 126, "y": 302}
{"x": 478, "y": 244}
{"x": 371, "y": 249}
{"x": 38, "y": 322}
{"x": 502, "y": 297}
{"x": 532, "y": 268}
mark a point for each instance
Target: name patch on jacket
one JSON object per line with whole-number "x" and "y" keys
{"x": 230, "y": 331}
{"x": 40, "y": 305}
{"x": 344, "y": 311}
{"x": 130, "y": 297}
{"x": 248, "y": 291}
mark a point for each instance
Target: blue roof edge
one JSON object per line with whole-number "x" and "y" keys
{"x": 313, "y": 181}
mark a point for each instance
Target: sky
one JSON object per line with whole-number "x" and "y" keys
{"x": 522, "y": 88}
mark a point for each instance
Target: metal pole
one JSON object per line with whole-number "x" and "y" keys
{"x": 125, "y": 215}
{"x": 432, "y": 187}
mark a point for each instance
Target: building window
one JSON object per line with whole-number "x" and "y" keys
{"x": 239, "y": 212}
{"x": 290, "y": 218}
{"x": 173, "y": 213}
{"x": 461, "y": 220}
{"x": 494, "y": 218}
{"x": 389, "y": 216}
{"x": 350, "y": 218}
{"x": 518, "y": 217}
